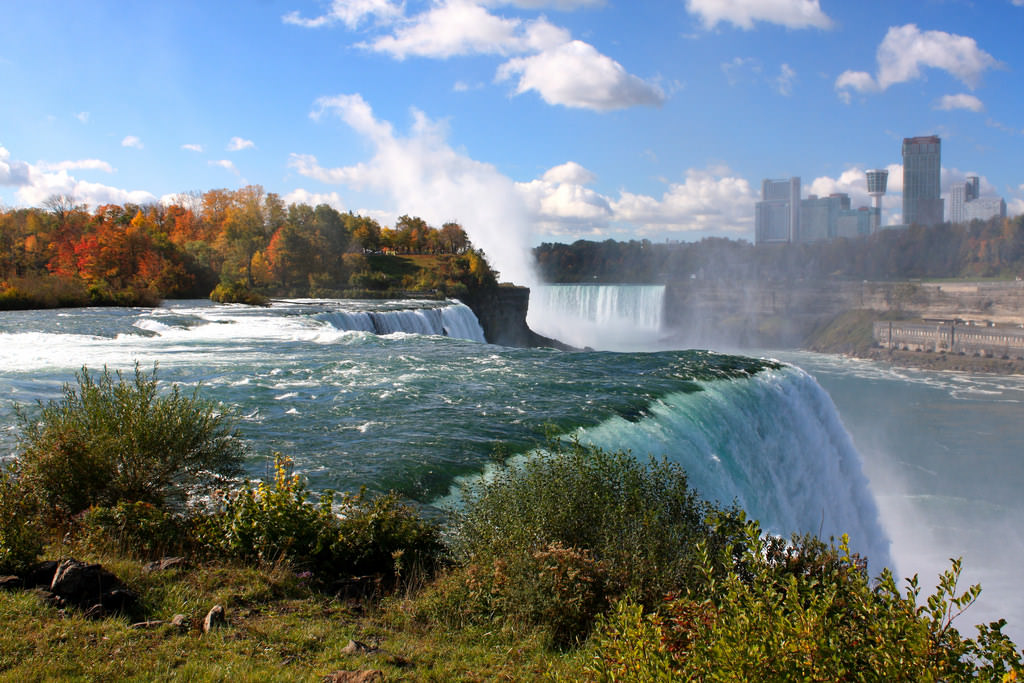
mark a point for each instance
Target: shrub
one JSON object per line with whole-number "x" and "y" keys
{"x": 111, "y": 440}
{"x": 578, "y": 511}
{"x": 137, "y": 529}
{"x": 367, "y": 535}
{"x": 237, "y": 293}
{"x": 21, "y": 538}
{"x": 816, "y": 620}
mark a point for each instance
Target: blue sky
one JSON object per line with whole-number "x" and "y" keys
{"x": 526, "y": 120}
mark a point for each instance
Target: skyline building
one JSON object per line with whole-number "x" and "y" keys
{"x": 966, "y": 203}
{"x": 922, "y": 169}
{"x": 877, "y": 179}
{"x": 777, "y": 215}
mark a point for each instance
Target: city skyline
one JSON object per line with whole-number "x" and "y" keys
{"x": 526, "y": 120}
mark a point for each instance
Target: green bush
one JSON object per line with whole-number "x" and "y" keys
{"x": 21, "y": 537}
{"x": 237, "y": 293}
{"x": 555, "y": 540}
{"x": 137, "y": 529}
{"x": 782, "y": 618}
{"x": 111, "y": 440}
{"x": 360, "y": 536}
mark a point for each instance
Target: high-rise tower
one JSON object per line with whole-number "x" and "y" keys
{"x": 877, "y": 181}
{"x": 922, "y": 166}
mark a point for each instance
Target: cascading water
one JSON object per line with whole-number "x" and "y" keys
{"x": 611, "y": 317}
{"x": 455, "y": 319}
{"x": 773, "y": 443}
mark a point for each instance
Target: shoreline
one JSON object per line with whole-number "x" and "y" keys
{"x": 928, "y": 360}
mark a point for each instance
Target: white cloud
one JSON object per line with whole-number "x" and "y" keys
{"x": 15, "y": 173}
{"x": 1015, "y": 207}
{"x": 237, "y": 144}
{"x": 457, "y": 27}
{"x": 906, "y": 50}
{"x": 349, "y": 12}
{"x": 560, "y": 197}
{"x": 192, "y": 147}
{"x": 709, "y": 200}
{"x": 743, "y": 13}
{"x": 423, "y": 175}
{"x": 784, "y": 81}
{"x": 225, "y": 164}
{"x": 546, "y": 59}
{"x": 960, "y": 101}
{"x": 301, "y": 196}
{"x": 82, "y": 164}
{"x": 82, "y": 116}
{"x": 577, "y": 75}
{"x": 131, "y": 141}
{"x": 37, "y": 182}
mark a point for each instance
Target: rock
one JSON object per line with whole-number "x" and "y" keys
{"x": 354, "y": 647}
{"x": 40, "y": 574}
{"x": 181, "y": 621}
{"x": 10, "y": 583}
{"x": 364, "y": 676}
{"x": 91, "y": 587}
{"x": 214, "y": 619}
{"x": 165, "y": 563}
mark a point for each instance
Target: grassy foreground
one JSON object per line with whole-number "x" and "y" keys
{"x": 279, "y": 629}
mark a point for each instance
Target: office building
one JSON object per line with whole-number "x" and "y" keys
{"x": 777, "y": 215}
{"x": 922, "y": 167}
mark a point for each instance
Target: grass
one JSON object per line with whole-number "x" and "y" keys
{"x": 279, "y": 630}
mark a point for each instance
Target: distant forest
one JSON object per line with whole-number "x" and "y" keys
{"x": 248, "y": 240}
{"x": 981, "y": 249}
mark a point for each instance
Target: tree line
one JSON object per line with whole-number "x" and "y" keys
{"x": 992, "y": 248}
{"x": 63, "y": 253}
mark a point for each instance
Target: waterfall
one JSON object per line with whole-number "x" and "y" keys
{"x": 612, "y": 317}
{"x": 773, "y": 443}
{"x": 453, "y": 319}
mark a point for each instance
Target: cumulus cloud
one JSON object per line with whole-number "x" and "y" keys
{"x": 423, "y": 175}
{"x": 131, "y": 141}
{"x": 237, "y": 144}
{"x": 301, "y": 196}
{"x": 960, "y": 101}
{"x": 13, "y": 173}
{"x": 457, "y": 27}
{"x": 37, "y": 182}
{"x": 709, "y": 200}
{"x": 906, "y": 50}
{"x": 560, "y": 199}
{"x": 545, "y": 58}
{"x": 82, "y": 116}
{"x": 192, "y": 147}
{"x": 577, "y": 75}
{"x": 743, "y": 13}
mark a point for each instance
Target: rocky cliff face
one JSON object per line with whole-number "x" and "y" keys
{"x": 760, "y": 314}
{"x": 502, "y": 315}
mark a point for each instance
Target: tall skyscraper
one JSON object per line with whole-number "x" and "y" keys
{"x": 922, "y": 166}
{"x": 777, "y": 215}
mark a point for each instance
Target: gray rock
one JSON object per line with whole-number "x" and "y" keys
{"x": 181, "y": 621}
{"x": 364, "y": 676}
{"x": 165, "y": 563}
